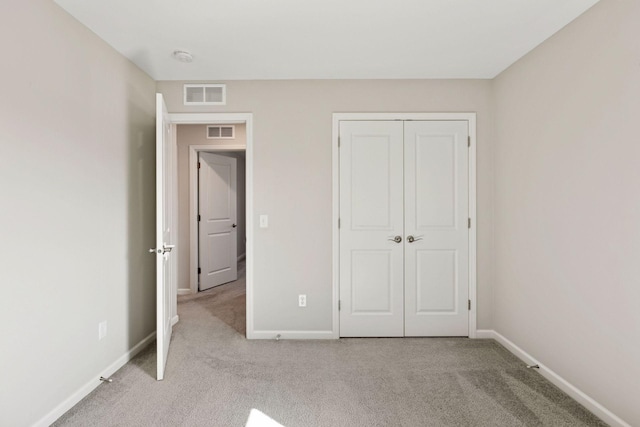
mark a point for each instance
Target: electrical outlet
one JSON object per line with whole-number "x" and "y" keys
{"x": 302, "y": 300}
{"x": 102, "y": 330}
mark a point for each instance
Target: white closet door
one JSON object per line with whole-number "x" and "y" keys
{"x": 436, "y": 216}
{"x": 371, "y": 216}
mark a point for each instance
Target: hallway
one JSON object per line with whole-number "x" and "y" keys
{"x": 226, "y": 303}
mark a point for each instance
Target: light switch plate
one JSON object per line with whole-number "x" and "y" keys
{"x": 264, "y": 221}
{"x": 102, "y": 330}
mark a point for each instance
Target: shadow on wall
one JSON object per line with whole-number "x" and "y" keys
{"x": 141, "y": 220}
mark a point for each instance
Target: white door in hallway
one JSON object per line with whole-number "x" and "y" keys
{"x": 404, "y": 237}
{"x": 218, "y": 232}
{"x": 371, "y": 229}
{"x": 436, "y": 175}
{"x": 165, "y": 259}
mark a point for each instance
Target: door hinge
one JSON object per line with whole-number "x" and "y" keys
{"x": 339, "y": 305}
{"x": 469, "y": 305}
{"x": 198, "y": 165}
{"x": 198, "y": 217}
{"x": 338, "y": 222}
{"x": 469, "y": 141}
{"x": 338, "y": 142}
{"x": 199, "y": 270}
{"x": 469, "y": 223}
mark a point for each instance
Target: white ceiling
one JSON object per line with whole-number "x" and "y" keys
{"x": 328, "y": 39}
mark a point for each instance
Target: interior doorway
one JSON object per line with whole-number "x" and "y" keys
{"x": 221, "y": 214}
{"x": 217, "y": 141}
{"x": 404, "y": 257}
{"x": 404, "y": 228}
{"x": 195, "y": 213}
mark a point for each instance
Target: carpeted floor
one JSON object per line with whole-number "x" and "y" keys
{"x": 215, "y": 377}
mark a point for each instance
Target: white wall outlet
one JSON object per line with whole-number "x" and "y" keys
{"x": 302, "y": 300}
{"x": 102, "y": 330}
{"x": 264, "y": 221}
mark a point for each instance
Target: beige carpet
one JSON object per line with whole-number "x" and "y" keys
{"x": 215, "y": 377}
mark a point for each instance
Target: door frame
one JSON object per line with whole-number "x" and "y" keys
{"x": 194, "y": 247}
{"x": 221, "y": 118}
{"x": 335, "y": 163}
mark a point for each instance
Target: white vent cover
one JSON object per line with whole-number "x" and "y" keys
{"x": 205, "y": 94}
{"x": 221, "y": 132}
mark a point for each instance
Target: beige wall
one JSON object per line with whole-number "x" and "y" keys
{"x": 567, "y": 206}
{"x": 293, "y": 180}
{"x": 196, "y": 135}
{"x": 77, "y": 210}
{"x": 77, "y": 176}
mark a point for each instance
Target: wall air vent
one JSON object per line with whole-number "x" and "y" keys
{"x": 205, "y": 94}
{"x": 221, "y": 132}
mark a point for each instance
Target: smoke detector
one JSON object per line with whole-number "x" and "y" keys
{"x": 182, "y": 56}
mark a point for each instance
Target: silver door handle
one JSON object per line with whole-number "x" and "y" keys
{"x": 412, "y": 239}
{"x": 396, "y": 239}
{"x": 165, "y": 249}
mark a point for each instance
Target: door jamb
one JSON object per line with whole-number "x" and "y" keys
{"x": 223, "y": 118}
{"x": 335, "y": 156}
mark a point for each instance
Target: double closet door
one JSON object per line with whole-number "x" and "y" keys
{"x": 404, "y": 233}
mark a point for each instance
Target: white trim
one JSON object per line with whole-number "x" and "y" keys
{"x": 193, "y": 205}
{"x": 292, "y": 335}
{"x": 473, "y": 232}
{"x": 335, "y": 166}
{"x": 403, "y": 116}
{"x": 471, "y": 119}
{"x": 175, "y": 229}
{"x": 485, "y": 334}
{"x": 238, "y": 118}
{"x": 83, "y": 391}
{"x": 183, "y": 291}
{"x": 208, "y": 118}
{"x": 575, "y": 393}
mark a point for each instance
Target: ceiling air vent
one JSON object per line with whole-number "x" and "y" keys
{"x": 221, "y": 132}
{"x": 205, "y": 94}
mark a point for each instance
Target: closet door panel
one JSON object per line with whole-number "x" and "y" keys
{"x": 371, "y": 216}
{"x": 436, "y": 219}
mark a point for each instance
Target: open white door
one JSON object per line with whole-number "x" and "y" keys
{"x": 218, "y": 232}
{"x": 165, "y": 261}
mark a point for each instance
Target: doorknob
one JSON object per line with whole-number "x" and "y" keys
{"x": 234, "y": 225}
{"x": 165, "y": 249}
{"x": 396, "y": 239}
{"x": 412, "y": 239}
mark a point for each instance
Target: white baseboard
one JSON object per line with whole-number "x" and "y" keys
{"x": 184, "y": 291}
{"x": 242, "y": 256}
{"x": 175, "y": 319}
{"x": 291, "y": 335}
{"x": 578, "y": 395}
{"x": 486, "y": 334}
{"x": 83, "y": 391}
